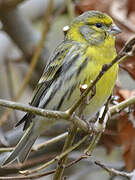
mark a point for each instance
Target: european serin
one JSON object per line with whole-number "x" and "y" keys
{"x": 88, "y": 45}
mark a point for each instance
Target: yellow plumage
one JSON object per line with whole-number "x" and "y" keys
{"x": 88, "y": 45}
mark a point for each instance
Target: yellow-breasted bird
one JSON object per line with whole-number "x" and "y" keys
{"x": 88, "y": 45}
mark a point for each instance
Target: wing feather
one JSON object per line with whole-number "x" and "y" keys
{"x": 62, "y": 59}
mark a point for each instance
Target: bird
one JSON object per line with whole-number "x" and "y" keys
{"x": 89, "y": 43}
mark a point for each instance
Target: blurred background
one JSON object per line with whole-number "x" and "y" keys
{"x": 29, "y": 32}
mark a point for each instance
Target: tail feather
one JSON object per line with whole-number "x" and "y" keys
{"x": 27, "y": 119}
{"x": 22, "y": 147}
{"x": 22, "y": 156}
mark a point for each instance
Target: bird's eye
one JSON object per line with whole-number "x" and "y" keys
{"x": 98, "y": 25}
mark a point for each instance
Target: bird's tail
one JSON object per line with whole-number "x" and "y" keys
{"x": 23, "y": 148}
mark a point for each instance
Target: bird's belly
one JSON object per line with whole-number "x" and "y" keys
{"x": 103, "y": 91}
{"x": 104, "y": 88}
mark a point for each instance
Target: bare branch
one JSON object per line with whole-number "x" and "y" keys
{"x": 63, "y": 115}
{"x": 45, "y": 113}
{"x": 112, "y": 171}
{"x": 100, "y": 125}
{"x": 33, "y": 176}
{"x": 119, "y": 107}
{"x": 62, "y": 162}
{"x": 57, "y": 158}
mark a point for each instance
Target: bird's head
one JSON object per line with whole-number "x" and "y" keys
{"x": 93, "y": 27}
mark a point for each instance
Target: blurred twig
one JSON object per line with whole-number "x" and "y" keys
{"x": 38, "y": 50}
{"x": 10, "y": 84}
{"x": 33, "y": 176}
{"x": 70, "y": 9}
{"x": 9, "y": 78}
{"x": 121, "y": 17}
{"x": 34, "y": 59}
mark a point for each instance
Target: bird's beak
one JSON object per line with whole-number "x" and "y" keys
{"x": 115, "y": 30}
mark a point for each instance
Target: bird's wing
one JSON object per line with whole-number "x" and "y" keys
{"x": 62, "y": 58}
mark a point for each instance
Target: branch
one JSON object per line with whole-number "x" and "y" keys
{"x": 62, "y": 162}
{"x": 70, "y": 8}
{"x": 57, "y": 158}
{"x": 124, "y": 104}
{"x": 100, "y": 125}
{"x": 33, "y": 176}
{"x": 63, "y": 115}
{"x": 51, "y": 141}
{"x": 112, "y": 171}
{"x": 70, "y": 139}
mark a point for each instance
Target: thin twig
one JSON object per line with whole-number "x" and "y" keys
{"x": 9, "y": 78}
{"x": 100, "y": 126}
{"x": 51, "y": 141}
{"x": 76, "y": 161}
{"x": 33, "y": 176}
{"x": 70, "y": 9}
{"x": 119, "y": 107}
{"x": 70, "y": 138}
{"x": 10, "y": 83}
{"x": 57, "y": 158}
{"x": 116, "y": 172}
{"x": 62, "y": 162}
